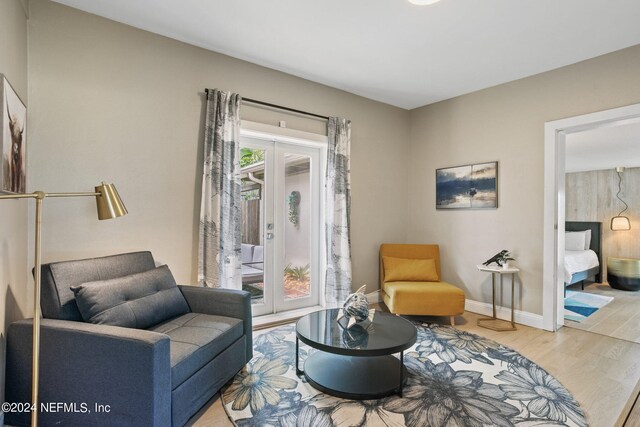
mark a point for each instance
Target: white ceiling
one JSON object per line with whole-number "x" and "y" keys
{"x": 604, "y": 148}
{"x": 390, "y": 50}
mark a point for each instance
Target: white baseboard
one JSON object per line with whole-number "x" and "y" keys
{"x": 521, "y": 317}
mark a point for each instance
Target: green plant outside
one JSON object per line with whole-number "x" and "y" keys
{"x": 249, "y": 157}
{"x": 297, "y": 272}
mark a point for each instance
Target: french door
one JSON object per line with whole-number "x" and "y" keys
{"x": 280, "y": 224}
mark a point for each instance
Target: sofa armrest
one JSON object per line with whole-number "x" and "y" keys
{"x": 222, "y": 302}
{"x": 128, "y": 371}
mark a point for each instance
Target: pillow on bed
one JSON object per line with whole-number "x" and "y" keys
{"x": 575, "y": 241}
{"x": 587, "y": 239}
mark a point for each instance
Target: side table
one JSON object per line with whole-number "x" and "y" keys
{"x": 499, "y": 271}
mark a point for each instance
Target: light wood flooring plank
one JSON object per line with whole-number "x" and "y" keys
{"x": 634, "y": 416}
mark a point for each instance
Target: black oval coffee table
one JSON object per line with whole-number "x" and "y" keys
{"x": 355, "y": 363}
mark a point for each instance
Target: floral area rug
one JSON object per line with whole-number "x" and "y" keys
{"x": 456, "y": 379}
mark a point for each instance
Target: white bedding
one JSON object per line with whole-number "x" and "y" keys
{"x": 575, "y": 261}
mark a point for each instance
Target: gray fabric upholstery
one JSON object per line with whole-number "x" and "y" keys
{"x": 223, "y": 302}
{"x": 257, "y": 260}
{"x": 246, "y": 252}
{"x": 192, "y": 394}
{"x": 134, "y": 371}
{"x": 252, "y": 264}
{"x": 58, "y": 301}
{"x": 247, "y": 270}
{"x": 128, "y": 369}
{"x": 136, "y": 301}
{"x": 195, "y": 340}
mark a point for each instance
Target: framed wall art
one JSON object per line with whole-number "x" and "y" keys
{"x": 467, "y": 187}
{"x": 13, "y": 140}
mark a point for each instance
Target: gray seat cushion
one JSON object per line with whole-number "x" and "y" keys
{"x": 250, "y": 271}
{"x": 195, "y": 340}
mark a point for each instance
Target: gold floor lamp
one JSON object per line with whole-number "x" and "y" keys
{"x": 109, "y": 206}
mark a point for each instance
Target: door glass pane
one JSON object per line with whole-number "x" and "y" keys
{"x": 297, "y": 229}
{"x": 252, "y": 167}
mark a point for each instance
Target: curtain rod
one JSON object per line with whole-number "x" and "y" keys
{"x": 280, "y": 107}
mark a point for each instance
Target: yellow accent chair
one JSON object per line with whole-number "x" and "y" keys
{"x": 410, "y": 282}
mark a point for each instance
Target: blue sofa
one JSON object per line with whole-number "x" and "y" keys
{"x": 158, "y": 376}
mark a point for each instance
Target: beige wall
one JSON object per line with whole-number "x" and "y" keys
{"x": 504, "y": 123}
{"x": 591, "y": 196}
{"x": 14, "y": 291}
{"x": 114, "y": 103}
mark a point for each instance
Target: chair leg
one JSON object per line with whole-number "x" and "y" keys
{"x": 453, "y": 320}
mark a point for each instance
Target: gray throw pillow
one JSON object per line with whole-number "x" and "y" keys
{"x": 137, "y": 301}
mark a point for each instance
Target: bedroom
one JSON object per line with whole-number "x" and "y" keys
{"x": 602, "y": 177}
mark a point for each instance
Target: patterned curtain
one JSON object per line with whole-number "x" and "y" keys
{"x": 338, "y": 212}
{"x": 219, "y": 260}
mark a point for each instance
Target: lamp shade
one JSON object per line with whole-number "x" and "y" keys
{"x": 620, "y": 223}
{"x": 109, "y": 202}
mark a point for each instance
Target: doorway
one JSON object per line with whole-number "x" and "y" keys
{"x": 602, "y": 165}
{"x": 554, "y": 201}
{"x": 281, "y": 223}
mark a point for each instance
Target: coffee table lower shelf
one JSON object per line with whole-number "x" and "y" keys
{"x": 355, "y": 377}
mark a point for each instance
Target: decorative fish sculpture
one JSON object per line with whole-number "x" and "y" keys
{"x": 356, "y": 308}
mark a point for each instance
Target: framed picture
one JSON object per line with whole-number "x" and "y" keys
{"x": 467, "y": 187}
{"x": 13, "y": 140}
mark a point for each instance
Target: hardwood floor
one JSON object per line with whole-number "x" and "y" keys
{"x": 618, "y": 319}
{"x": 602, "y": 372}
{"x": 634, "y": 417}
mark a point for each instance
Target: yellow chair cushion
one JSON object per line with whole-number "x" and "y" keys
{"x": 409, "y": 270}
{"x": 423, "y": 298}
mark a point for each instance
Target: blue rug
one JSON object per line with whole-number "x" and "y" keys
{"x": 455, "y": 378}
{"x": 580, "y": 305}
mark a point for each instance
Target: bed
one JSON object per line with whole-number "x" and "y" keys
{"x": 583, "y": 252}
